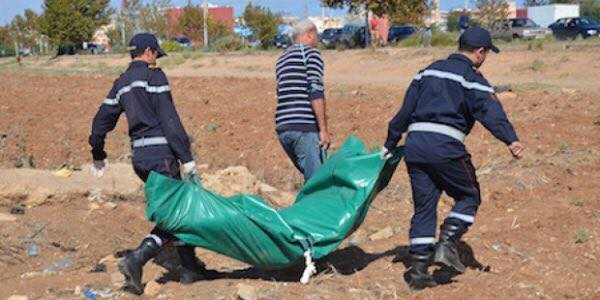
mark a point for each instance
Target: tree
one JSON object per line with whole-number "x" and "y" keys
{"x": 591, "y": 9}
{"x": 263, "y": 22}
{"x": 25, "y": 30}
{"x": 191, "y": 25}
{"x": 129, "y": 18}
{"x": 399, "y": 11}
{"x": 529, "y": 3}
{"x": 491, "y": 10}
{"x": 72, "y": 22}
{"x": 154, "y": 18}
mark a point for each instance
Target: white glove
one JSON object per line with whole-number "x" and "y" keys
{"x": 98, "y": 168}
{"x": 189, "y": 168}
{"x": 385, "y": 153}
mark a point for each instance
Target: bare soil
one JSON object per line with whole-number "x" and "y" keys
{"x": 536, "y": 235}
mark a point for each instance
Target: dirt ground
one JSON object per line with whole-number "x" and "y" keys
{"x": 536, "y": 235}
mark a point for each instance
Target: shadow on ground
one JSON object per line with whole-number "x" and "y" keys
{"x": 346, "y": 261}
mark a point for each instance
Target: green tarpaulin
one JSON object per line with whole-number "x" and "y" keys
{"x": 330, "y": 207}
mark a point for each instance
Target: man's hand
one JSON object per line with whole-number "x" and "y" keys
{"x": 324, "y": 141}
{"x": 189, "y": 168}
{"x": 385, "y": 153}
{"x": 98, "y": 168}
{"x": 516, "y": 149}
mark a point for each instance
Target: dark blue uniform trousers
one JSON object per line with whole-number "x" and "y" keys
{"x": 457, "y": 178}
{"x": 144, "y": 162}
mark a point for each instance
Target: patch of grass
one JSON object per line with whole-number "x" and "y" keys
{"x": 564, "y": 75}
{"x": 198, "y": 65}
{"x": 191, "y": 54}
{"x": 341, "y": 91}
{"x": 577, "y": 202}
{"x": 597, "y": 122}
{"x": 374, "y": 146}
{"x": 563, "y": 146}
{"x": 438, "y": 39}
{"x": 582, "y": 236}
{"x": 537, "y": 65}
{"x": 247, "y": 50}
{"x": 212, "y": 127}
{"x": 172, "y": 61}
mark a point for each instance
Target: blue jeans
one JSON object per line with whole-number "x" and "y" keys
{"x": 303, "y": 149}
{"x": 426, "y": 35}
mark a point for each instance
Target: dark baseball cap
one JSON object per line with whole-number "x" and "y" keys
{"x": 478, "y": 37}
{"x": 145, "y": 40}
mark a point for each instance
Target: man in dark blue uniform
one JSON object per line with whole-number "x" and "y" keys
{"x": 439, "y": 110}
{"x": 159, "y": 143}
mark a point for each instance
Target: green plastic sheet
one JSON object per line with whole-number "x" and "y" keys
{"x": 329, "y": 208}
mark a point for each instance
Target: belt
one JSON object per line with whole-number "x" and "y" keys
{"x": 438, "y": 128}
{"x": 151, "y": 141}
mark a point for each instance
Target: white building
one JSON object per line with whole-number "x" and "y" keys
{"x": 547, "y": 14}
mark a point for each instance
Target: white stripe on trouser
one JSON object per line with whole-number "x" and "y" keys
{"x": 422, "y": 241}
{"x": 157, "y": 239}
{"x": 462, "y": 217}
{"x": 457, "y": 78}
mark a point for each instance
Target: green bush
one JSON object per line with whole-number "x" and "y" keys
{"x": 438, "y": 39}
{"x": 170, "y": 46}
{"x": 227, "y": 43}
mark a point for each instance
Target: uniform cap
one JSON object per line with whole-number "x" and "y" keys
{"x": 478, "y": 37}
{"x": 145, "y": 40}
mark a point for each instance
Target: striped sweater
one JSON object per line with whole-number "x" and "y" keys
{"x": 299, "y": 73}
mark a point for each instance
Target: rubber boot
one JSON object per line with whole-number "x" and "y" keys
{"x": 446, "y": 251}
{"x": 190, "y": 270}
{"x": 132, "y": 266}
{"x": 417, "y": 276}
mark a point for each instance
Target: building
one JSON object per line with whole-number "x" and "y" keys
{"x": 512, "y": 9}
{"x": 224, "y": 15}
{"x": 547, "y": 14}
{"x": 101, "y": 38}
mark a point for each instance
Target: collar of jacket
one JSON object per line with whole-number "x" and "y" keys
{"x": 462, "y": 58}
{"x": 138, "y": 64}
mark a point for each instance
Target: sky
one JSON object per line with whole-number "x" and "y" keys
{"x": 10, "y": 8}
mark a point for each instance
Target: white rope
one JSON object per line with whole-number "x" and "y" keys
{"x": 310, "y": 270}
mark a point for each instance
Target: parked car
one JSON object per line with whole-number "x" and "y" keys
{"x": 330, "y": 37}
{"x": 518, "y": 28}
{"x": 398, "y": 33}
{"x": 353, "y": 36}
{"x": 182, "y": 41}
{"x": 282, "y": 40}
{"x": 575, "y": 28}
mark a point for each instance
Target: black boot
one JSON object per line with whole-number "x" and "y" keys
{"x": 446, "y": 251}
{"x": 190, "y": 269}
{"x": 132, "y": 266}
{"x": 417, "y": 276}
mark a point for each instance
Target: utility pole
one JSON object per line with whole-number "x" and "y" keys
{"x": 436, "y": 7}
{"x": 205, "y": 23}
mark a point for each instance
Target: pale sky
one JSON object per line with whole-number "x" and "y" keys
{"x": 10, "y": 8}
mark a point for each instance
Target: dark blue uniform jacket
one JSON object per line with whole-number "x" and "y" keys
{"x": 452, "y": 93}
{"x": 144, "y": 95}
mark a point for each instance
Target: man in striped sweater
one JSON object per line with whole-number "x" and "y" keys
{"x": 301, "y": 121}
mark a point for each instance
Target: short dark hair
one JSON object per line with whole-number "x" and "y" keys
{"x": 462, "y": 46}
{"x": 136, "y": 53}
{"x": 139, "y": 52}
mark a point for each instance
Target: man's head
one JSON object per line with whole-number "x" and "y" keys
{"x": 305, "y": 32}
{"x": 144, "y": 47}
{"x": 476, "y": 43}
